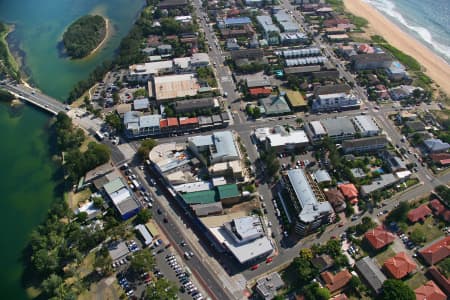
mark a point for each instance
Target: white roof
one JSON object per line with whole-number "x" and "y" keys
{"x": 149, "y": 121}
{"x": 150, "y": 68}
{"x": 403, "y": 174}
{"x": 292, "y": 137}
{"x": 144, "y": 233}
{"x": 248, "y": 228}
{"x": 365, "y": 123}
{"x": 225, "y": 145}
{"x": 317, "y": 127}
{"x": 193, "y": 187}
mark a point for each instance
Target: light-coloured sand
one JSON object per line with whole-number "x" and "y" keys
{"x": 435, "y": 67}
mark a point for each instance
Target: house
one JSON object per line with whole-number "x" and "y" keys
{"x": 442, "y": 159}
{"x": 393, "y": 162}
{"x": 268, "y": 286}
{"x": 322, "y": 176}
{"x": 371, "y": 61}
{"x": 322, "y": 262}
{"x": 430, "y": 291}
{"x": 311, "y": 208}
{"x": 260, "y": 92}
{"x": 399, "y": 266}
{"x": 370, "y": 273}
{"x": 415, "y": 126}
{"x": 336, "y": 282}
{"x": 366, "y": 126}
{"x": 369, "y": 144}
{"x": 419, "y": 214}
{"x": 336, "y": 199}
{"x": 350, "y": 192}
{"x": 437, "y": 251}
{"x": 382, "y": 182}
{"x": 379, "y": 238}
{"x": 275, "y": 105}
{"x": 436, "y": 146}
{"x": 442, "y": 281}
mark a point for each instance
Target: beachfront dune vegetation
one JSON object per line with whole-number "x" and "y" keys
{"x": 84, "y": 35}
{"x": 338, "y": 6}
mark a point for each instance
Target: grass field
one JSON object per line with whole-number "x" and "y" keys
{"x": 416, "y": 280}
{"x": 381, "y": 257}
{"x": 433, "y": 232}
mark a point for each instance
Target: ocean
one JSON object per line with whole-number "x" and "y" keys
{"x": 426, "y": 20}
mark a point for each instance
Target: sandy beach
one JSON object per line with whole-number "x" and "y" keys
{"x": 435, "y": 67}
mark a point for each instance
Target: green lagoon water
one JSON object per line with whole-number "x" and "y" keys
{"x": 28, "y": 178}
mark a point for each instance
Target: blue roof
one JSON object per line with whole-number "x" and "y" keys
{"x": 237, "y": 21}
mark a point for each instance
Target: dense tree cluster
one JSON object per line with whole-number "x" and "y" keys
{"x": 6, "y": 64}
{"x": 69, "y": 140}
{"x": 145, "y": 148}
{"x": 396, "y": 289}
{"x": 84, "y": 35}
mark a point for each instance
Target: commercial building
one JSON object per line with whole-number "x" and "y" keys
{"x": 268, "y": 286}
{"x": 366, "y": 126}
{"x": 122, "y": 198}
{"x": 371, "y": 273}
{"x": 270, "y": 31}
{"x": 172, "y": 4}
{"x": 144, "y": 72}
{"x": 141, "y": 104}
{"x": 244, "y": 238}
{"x": 339, "y": 128}
{"x": 191, "y": 105}
{"x": 315, "y": 131}
{"x": 147, "y": 238}
{"x": 221, "y": 146}
{"x": 393, "y": 162}
{"x": 286, "y": 141}
{"x": 292, "y": 38}
{"x": 138, "y": 125}
{"x": 311, "y": 208}
{"x": 174, "y": 86}
{"x": 286, "y": 22}
{"x": 335, "y": 101}
{"x": 301, "y": 52}
{"x": 371, "y": 61}
{"x": 369, "y": 144}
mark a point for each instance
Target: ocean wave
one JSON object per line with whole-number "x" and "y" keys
{"x": 390, "y": 9}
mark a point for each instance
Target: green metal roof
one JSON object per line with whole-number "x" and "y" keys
{"x": 202, "y": 197}
{"x": 228, "y": 191}
{"x": 114, "y": 185}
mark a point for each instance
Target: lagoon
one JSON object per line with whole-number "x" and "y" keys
{"x": 29, "y": 178}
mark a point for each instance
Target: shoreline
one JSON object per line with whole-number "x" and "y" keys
{"x": 434, "y": 66}
{"x": 104, "y": 40}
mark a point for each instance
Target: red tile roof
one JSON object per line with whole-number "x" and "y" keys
{"x": 349, "y": 190}
{"x": 437, "y": 206}
{"x": 187, "y": 121}
{"x": 437, "y": 251}
{"x": 430, "y": 291}
{"x": 163, "y": 123}
{"x": 400, "y": 265}
{"x": 442, "y": 281}
{"x": 335, "y": 282}
{"x": 419, "y": 214}
{"x": 440, "y": 157}
{"x": 379, "y": 238}
{"x": 172, "y": 122}
{"x": 260, "y": 91}
{"x": 445, "y": 162}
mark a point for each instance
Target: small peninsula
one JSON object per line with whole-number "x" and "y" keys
{"x": 85, "y": 35}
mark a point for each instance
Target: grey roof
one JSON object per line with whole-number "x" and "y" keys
{"x": 436, "y": 145}
{"x": 358, "y": 173}
{"x": 225, "y": 145}
{"x": 322, "y": 176}
{"x": 267, "y": 24}
{"x": 365, "y": 142}
{"x": 371, "y": 273}
{"x": 194, "y": 104}
{"x": 383, "y": 181}
{"x": 365, "y": 124}
{"x": 144, "y": 233}
{"x": 201, "y": 140}
{"x": 303, "y": 69}
{"x": 267, "y": 286}
{"x": 311, "y": 207}
{"x": 338, "y": 126}
{"x": 200, "y": 58}
{"x": 207, "y": 208}
{"x": 139, "y": 104}
{"x": 286, "y": 21}
{"x": 149, "y": 121}
{"x": 275, "y": 105}
{"x": 332, "y": 89}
